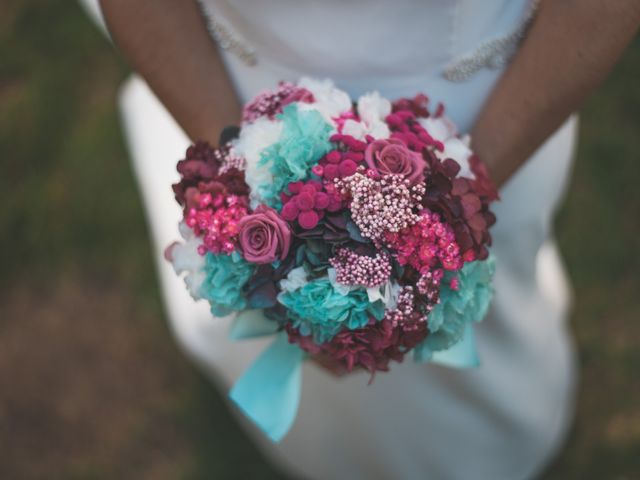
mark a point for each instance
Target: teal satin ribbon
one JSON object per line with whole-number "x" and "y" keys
{"x": 268, "y": 392}
{"x": 251, "y": 324}
{"x": 463, "y": 354}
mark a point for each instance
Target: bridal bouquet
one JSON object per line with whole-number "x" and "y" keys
{"x": 353, "y": 233}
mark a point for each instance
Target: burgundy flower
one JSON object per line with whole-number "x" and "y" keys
{"x": 463, "y": 202}
{"x": 200, "y": 173}
{"x": 393, "y": 157}
{"x": 264, "y": 236}
{"x": 371, "y": 347}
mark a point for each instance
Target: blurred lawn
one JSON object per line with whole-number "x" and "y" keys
{"x": 91, "y": 383}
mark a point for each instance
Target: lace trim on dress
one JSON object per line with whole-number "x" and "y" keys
{"x": 227, "y": 40}
{"x": 494, "y": 53}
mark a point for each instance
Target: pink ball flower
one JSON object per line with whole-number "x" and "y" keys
{"x": 393, "y": 157}
{"x": 264, "y": 236}
{"x": 308, "y": 219}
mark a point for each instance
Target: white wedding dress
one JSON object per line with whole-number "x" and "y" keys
{"x": 501, "y": 421}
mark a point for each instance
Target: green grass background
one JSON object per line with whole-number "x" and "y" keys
{"x": 81, "y": 323}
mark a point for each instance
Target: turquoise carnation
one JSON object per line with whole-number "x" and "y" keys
{"x": 303, "y": 141}
{"x": 318, "y": 309}
{"x": 226, "y": 275}
{"x": 458, "y": 308}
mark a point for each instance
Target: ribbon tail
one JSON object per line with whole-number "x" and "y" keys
{"x": 463, "y": 354}
{"x": 268, "y": 392}
{"x": 251, "y": 324}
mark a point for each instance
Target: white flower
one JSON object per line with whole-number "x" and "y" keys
{"x": 440, "y": 128}
{"x": 372, "y": 110}
{"x": 330, "y": 101}
{"x": 297, "y": 278}
{"x": 253, "y": 139}
{"x": 186, "y": 259}
{"x": 458, "y": 149}
{"x": 444, "y": 130}
{"x": 338, "y": 287}
{"x": 387, "y": 292}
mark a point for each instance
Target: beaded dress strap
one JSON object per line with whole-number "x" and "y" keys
{"x": 228, "y": 40}
{"x": 494, "y": 53}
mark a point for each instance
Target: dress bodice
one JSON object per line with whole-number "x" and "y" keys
{"x": 399, "y": 48}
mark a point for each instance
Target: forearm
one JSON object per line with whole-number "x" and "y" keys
{"x": 569, "y": 50}
{"x": 167, "y": 42}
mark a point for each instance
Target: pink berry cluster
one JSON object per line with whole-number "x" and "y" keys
{"x": 231, "y": 161}
{"x": 216, "y": 220}
{"x": 354, "y": 269}
{"x": 308, "y": 202}
{"x": 270, "y": 103}
{"x": 426, "y": 245}
{"x": 381, "y": 205}
{"x": 428, "y": 286}
{"x": 406, "y": 315}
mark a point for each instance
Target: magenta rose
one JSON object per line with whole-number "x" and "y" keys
{"x": 264, "y": 236}
{"x": 393, "y": 157}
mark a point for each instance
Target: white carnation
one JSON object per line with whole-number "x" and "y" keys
{"x": 186, "y": 259}
{"x": 440, "y": 128}
{"x": 372, "y": 110}
{"x": 253, "y": 139}
{"x": 444, "y": 130}
{"x": 355, "y": 129}
{"x": 330, "y": 101}
{"x": 458, "y": 149}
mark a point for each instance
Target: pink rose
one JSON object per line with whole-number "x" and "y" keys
{"x": 264, "y": 236}
{"x": 393, "y": 157}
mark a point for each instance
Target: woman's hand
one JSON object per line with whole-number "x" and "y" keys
{"x": 570, "y": 48}
{"x": 167, "y": 42}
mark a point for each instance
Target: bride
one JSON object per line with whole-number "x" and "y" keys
{"x": 511, "y": 72}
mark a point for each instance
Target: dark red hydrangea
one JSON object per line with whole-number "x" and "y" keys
{"x": 371, "y": 347}
{"x": 463, "y": 202}
{"x": 482, "y": 184}
{"x": 200, "y": 173}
